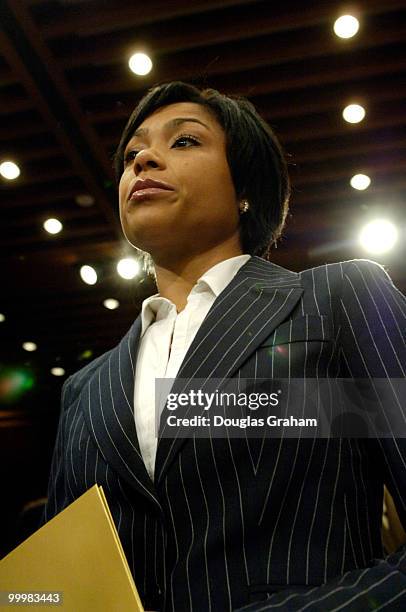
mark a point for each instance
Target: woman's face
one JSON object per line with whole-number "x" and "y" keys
{"x": 188, "y": 204}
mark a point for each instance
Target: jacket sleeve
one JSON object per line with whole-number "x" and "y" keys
{"x": 58, "y": 497}
{"x": 373, "y": 332}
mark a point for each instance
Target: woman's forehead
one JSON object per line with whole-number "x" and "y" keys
{"x": 180, "y": 110}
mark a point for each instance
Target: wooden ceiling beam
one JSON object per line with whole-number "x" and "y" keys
{"x": 61, "y": 348}
{"x": 96, "y": 18}
{"x": 255, "y": 31}
{"x": 281, "y": 105}
{"x": 80, "y": 296}
{"x": 250, "y": 76}
{"x": 366, "y": 143}
{"x": 29, "y": 178}
{"x": 326, "y": 172}
{"x": 68, "y": 251}
{"x": 333, "y": 126}
{"x": 93, "y": 18}
{"x": 27, "y": 154}
{"x": 21, "y": 44}
{"x": 49, "y": 194}
{"x": 64, "y": 213}
{"x": 15, "y": 131}
{"x": 311, "y": 101}
{"x": 344, "y": 195}
{"x": 12, "y": 104}
{"x": 68, "y": 234}
{"x": 321, "y": 219}
{"x": 7, "y": 77}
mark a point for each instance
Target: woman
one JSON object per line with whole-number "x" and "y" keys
{"x": 224, "y": 524}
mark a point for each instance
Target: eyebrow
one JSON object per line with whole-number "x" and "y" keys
{"x": 171, "y": 124}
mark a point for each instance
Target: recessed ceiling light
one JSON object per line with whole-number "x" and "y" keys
{"x": 128, "y": 267}
{"x": 9, "y": 170}
{"x": 140, "y": 63}
{"x": 53, "y": 226}
{"x": 360, "y": 182}
{"x": 354, "y": 113}
{"x": 111, "y": 303}
{"x": 84, "y": 199}
{"x": 29, "y": 346}
{"x": 346, "y": 26}
{"x": 88, "y": 275}
{"x": 57, "y": 371}
{"x": 378, "y": 236}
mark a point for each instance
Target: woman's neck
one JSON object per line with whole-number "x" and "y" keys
{"x": 176, "y": 279}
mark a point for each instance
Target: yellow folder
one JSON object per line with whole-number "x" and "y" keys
{"x": 78, "y": 554}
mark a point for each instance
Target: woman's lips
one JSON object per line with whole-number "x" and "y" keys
{"x": 147, "y": 192}
{"x": 144, "y": 188}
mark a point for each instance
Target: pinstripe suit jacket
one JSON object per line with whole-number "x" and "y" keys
{"x": 278, "y": 524}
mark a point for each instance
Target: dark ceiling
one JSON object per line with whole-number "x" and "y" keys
{"x": 66, "y": 92}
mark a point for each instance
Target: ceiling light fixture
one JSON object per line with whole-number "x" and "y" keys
{"x": 9, "y": 170}
{"x": 84, "y": 200}
{"x": 360, "y": 182}
{"x": 88, "y": 275}
{"x": 57, "y": 371}
{"x": 128, "y": 268}
{"x": 111, "y": 303}
{"x": 53, "y": 226}
{"x": 346, "y": 26}
{"x": 29, "y": 346}
{"x": 378, "y": 236}
{"x": 354, "y": 113}
{"x": 140, "y": 63}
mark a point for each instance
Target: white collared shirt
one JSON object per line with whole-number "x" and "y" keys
{"x": 165, "y": 339}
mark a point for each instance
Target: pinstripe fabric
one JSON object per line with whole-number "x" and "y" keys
{"x": 256, "y": 524}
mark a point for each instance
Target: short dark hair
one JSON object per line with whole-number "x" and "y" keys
{"x": 255, "y": 157}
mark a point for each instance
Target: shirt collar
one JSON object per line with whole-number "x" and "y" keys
{"x": 216, "y": 279}
{"x": 218, "y": 276}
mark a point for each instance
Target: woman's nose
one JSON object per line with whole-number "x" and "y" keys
{"x": 146, "y": 158}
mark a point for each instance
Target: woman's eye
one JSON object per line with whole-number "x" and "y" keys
{"x": 185, "y": 140}
{"x": 182, "y": 141}
{"x": 129, "y": 157}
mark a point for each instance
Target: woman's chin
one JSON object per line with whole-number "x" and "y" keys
{"x": 151, "y": 244}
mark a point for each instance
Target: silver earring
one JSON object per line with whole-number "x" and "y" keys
{"x": 244, "y": 206}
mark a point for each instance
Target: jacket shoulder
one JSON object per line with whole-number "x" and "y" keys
{"x": 365, "y": 268}
{"x": 77, "y": 381}
{"x": 348, "y": 268}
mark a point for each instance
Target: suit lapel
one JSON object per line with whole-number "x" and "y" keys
{"x": 109, "y": 413}
{"x": 257, "y": 300}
